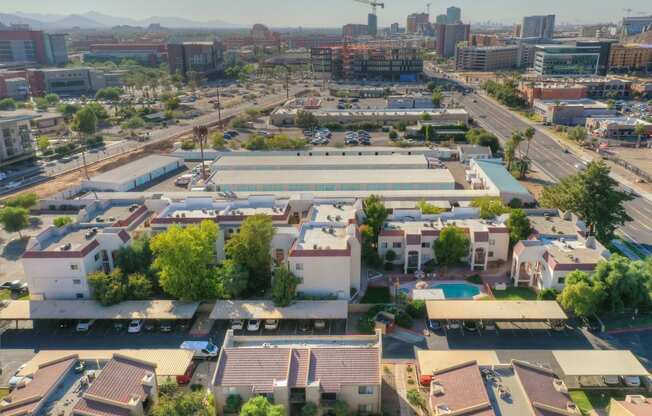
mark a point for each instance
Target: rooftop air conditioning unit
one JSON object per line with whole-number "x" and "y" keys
{"x": 436, "y": 388}
{"x": 560, "y": 386}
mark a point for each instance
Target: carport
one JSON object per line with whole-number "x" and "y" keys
{"x": 335, "y": 312}
{"x": 494, "y": 311}
{"x": 19, "y": 310}
{"x": 587, "y": 368}
{"x": 430, "y": 361}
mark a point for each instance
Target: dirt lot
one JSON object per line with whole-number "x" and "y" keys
{"x": 641, "y": 158}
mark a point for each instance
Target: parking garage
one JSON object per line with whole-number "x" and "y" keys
{"x": 305, "y": 317}
{"x": 478, "y": 316}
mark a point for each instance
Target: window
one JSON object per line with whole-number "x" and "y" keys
{"x": 298, "y": 266}
{"x": 76, "y": 281}
{"x": 329, "y": 396}
{"x": 79, "y": 295}
{"x": 97, "y": 256}
{"x": 74, "y": 266}
{"x": 397, "y": 244}
{"x": 561, "y": 280}
{"x": 425, "y": 245}
{"x": 491, "y": 254}
{"x": 364, "y": 408}
{"x": 383, "y": 244}
{"x": 365, "y": 390}
{"x": 492, "y": 242}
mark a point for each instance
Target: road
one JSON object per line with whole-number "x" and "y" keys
{"x": 155, "y": 136}
{"x": 551, "y": 159}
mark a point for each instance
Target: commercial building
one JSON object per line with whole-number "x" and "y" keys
{"x": 144, "y": 53}
{"x": 490, "y": 174}
{"x": 486, "y": 58}
{"x": 204, "y": 58}
{"x": 616, "y": 127}
{"x": 133, "y": 174}
{"x": 65, "y": 81}
{"x": 13, "y": 84}
{"x": 481, "y": 39}
{"x": 417, "y": 22}
{"x": 409, "y": 101}
{"x": 559, "y": 245}
{"x": 549, "y": 91}
{"x": 604, "y": 46}
{"x": 353, "y": 30}
{"x": 16, "y": 141}
{"x": 561, "y": 60}
{"x": 19, "y": 45}
{"x": 634, "y": 25}
{"x": 293, "y": 371}
{"x": 630, "y": 58}
{"x": 540, "y": 27}
{"x": 571, "y": 112}
{"x": 449, "y": 35}
{"x": 467, "y": 152}
{"x": 453, "y": 14}
{"x": 398, "y": 63}
{"x": 411, "y": 235}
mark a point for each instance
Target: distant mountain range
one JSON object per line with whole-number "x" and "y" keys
{"x": 95, "y": 20}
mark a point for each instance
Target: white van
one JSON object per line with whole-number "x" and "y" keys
{"x": 203, "y": 350}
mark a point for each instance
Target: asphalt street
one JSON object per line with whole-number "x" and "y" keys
{"x": 552, "y": 160}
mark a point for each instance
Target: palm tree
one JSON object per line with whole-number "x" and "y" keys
{"x": 510, "y": 153}
{"x": 639, "y": 131}
{"x": 529, "y": 135}
{"x": 517, "y": 139}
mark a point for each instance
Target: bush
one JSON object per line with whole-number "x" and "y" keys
{"x": 134, "y": 122}
{"x": 403, "y": 319}
{"x": 309, "y": 409}
{"x": 416, "y": 309}
{"x": 393, "y": 134}
{"x": 61, "y": 222}
{"x": 233, "y": 403}
{"x": 366, "y": 325}
{"x": 187, "y": 144}
{"x": 475, "y": 279}
{"x": 415, "y": 398}
{"x": 7, "y": 104}
{"x": 548, "y": 294}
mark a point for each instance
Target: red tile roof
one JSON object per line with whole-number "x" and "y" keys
{"x": 413, "y": 239}
{"x": 94, "y": 408}
{"x": 538, "y": 387}
{"x": 391, "y": 233}
{"x": 332, "y": 367}
{"x": 463, "y": 388}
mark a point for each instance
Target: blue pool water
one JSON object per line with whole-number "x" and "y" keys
{"x": 458, "y": 290}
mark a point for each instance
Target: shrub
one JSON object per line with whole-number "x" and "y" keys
{"x": 403, "y": 319}
{"x": 366, "y": 325}
{"x": 415, "y": 398}
{"x": 548, "y": 294}
{"x": 309, "y": 409}
{"x": 187, "y": 144}
{"x": 416, "y": 309}
{"x": 61, "y": 222}
{"x": 233, "y": 403}
{"x": 475, "y": 279}
{"x": 393, "y": 134}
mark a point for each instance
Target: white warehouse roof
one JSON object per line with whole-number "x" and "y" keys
{"x": 300, "y": 162}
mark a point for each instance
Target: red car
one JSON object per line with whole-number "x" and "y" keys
{"x": 187, "y": 376}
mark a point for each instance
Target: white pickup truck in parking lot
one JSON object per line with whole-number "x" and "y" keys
{"x": 203, "y": 350}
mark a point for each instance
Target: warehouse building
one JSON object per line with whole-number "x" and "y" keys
{"x": 133, "y": 174}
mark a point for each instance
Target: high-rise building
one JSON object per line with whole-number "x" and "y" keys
{"x": 448, "y": 36}
{"x": 205, "y": 58}
{"x": 394, "y": 28}
{"x": 417, "y": 22}
{"x": 541, "y": 27}
{"x": 353, "y": 30}
{"x": 441, "y": 19}
{"x": 372, "y": 24}
{"x": 19, "y": 44}
{"x": 453, "y": 15}
{"x": 636, "y": 24}
{"x": 565, "y": 60}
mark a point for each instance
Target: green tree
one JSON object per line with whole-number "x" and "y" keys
{"x": 233, "y": 403}
{"x": 217, "y": 140}
{"x": 437, "y": 97}
{"x": 133, "y": 122}
{"x": 341, "y": 408}
{"x": 14, "y": 219}
{"x": 68, "y": 110}
{"x": 548, "y": 294}
{"x": 27, "y": 201}
{"x": 510, "y": 154}
{"x": 428, "y": 208}
{"x": 7, "y": 104}
{"x": 183, "y": 403}
{"x": 528, "y": 135}
{"x": 518, "y": 225}
{"x": 482, "y": 137}
{"x": 108, "y": 289}
{"x": 640, "y": 130}
{"x": 98, "y": 109}
{"x": 233, "y": 279}
{"x": 577, "y": 134}
{"x": 375, "y": 215}
{"x": 625, "y": 283}
{"x": 490, "y": 206}
{"x": 416, "y": 399}
{"x": 426, "y": 116}
{"x": 306, "y": 120}
{"x": 108, "y": 94}
{"x": 310, "y": 409}
{"x": 52, "y": 99}
{"x": 284, "y": 286}
{"x": 61, "y": 222}
{"x": 251, "y": 247}
{"x": 253, "y": 113}
{"x": 185, "y": 260}
{"x": 581, "y": 295}
{"x": 260, "y": 406}
{"x": 85, "y": 122}
{"x": 41, "y": 104}
{"x": 172, "y": 103}
{"x": 136, "y": 257}
{"x": 139, "y": 287}
{"x": 43, "y": 142}
{"x": 452, "y": 246}
{"x": 594, "y": 196}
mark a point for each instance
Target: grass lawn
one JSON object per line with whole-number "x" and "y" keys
{"x": 590, "y": 400}
{"x": 515, "y": 293}
{"x": 5, "y": 294}
{"x": 376, "y": 295}
{"x": 4, "y": 391}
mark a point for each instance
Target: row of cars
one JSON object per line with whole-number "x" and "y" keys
{"x": 355, "y": 138}
{"x": 318, "y": 136}
{"x": 134, "y": 326}
{"x": 253, "y": 325}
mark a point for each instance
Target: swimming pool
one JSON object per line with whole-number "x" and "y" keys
{"x": 458, "y": 290}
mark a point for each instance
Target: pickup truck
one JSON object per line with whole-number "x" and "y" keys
{"x": 202, "y": 350}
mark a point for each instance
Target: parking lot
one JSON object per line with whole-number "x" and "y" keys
{"x": 290, "y": 327}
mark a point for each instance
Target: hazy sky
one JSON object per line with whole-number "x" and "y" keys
{"x": 333, "y": 12}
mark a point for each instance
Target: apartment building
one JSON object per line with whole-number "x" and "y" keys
{"x": 353, "y": 30}
{"x": 564, "y": 60}
{"x": 616, "y": 127}
{"x": 630, "y": 57}
{"x": 540, "y": 27}
{"x": 16, "y": 141}
{"x": 204, "y": 58}
{"x": 486, "y": 58}
{"x": 417, "y": 22}
{"x": 411, "y": 235}
{"x": 293, "y": 371}
{"x": 548, "y": 91}
{"x": 449, "y": 35}
{"x": 559, "y": 245}
{"x": 57, "y": 261}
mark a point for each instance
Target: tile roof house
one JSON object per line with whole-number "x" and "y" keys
{"x": 633, "y": 405}
{"x": 296, "y": 373}
{"x": 124, "y": 387}
{"x": 460, "y": 390}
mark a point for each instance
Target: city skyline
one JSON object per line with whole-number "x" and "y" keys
{"x": 290, "y": 13}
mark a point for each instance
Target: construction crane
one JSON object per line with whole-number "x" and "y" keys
{"x": 428, "y": 8}
{"x": 373, "y": 5}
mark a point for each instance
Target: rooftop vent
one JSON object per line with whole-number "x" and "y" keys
{"x": 65, "y": 247}
{"x": 436, "y": 388}
{"x": 560, "y": 386}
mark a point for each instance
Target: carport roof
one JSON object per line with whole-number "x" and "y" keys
{"x": 495, "y": 310}
{"x": 599, "y": 363}
{"x": 265, "y": 309}
{"x": 169, "y": 362}
{"x": 90, "y": 309}
{"x": 430, "y": 361}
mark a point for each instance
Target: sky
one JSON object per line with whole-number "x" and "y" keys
{"x": 333, "y": 13}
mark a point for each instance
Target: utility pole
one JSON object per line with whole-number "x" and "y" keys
{"x": 201, "y": 133}
{"x": 219, "y": 108}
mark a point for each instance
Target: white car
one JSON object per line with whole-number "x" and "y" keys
{"x": 271, "y": 324}
{"x": 135, "y": 326}
{"x": 237, "y": 324}
{"x": 611, "y": 380}
{"x": 85, "y": 325}
{"x": 253, "y": 325}
{"x": 631, "y": 381}
{"x": 320, "y": 324}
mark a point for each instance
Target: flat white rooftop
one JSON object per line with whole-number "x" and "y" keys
{"x": 322, "y": 238}
{"x": 322, "y": 162}
{"x": 339, "y": 213}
